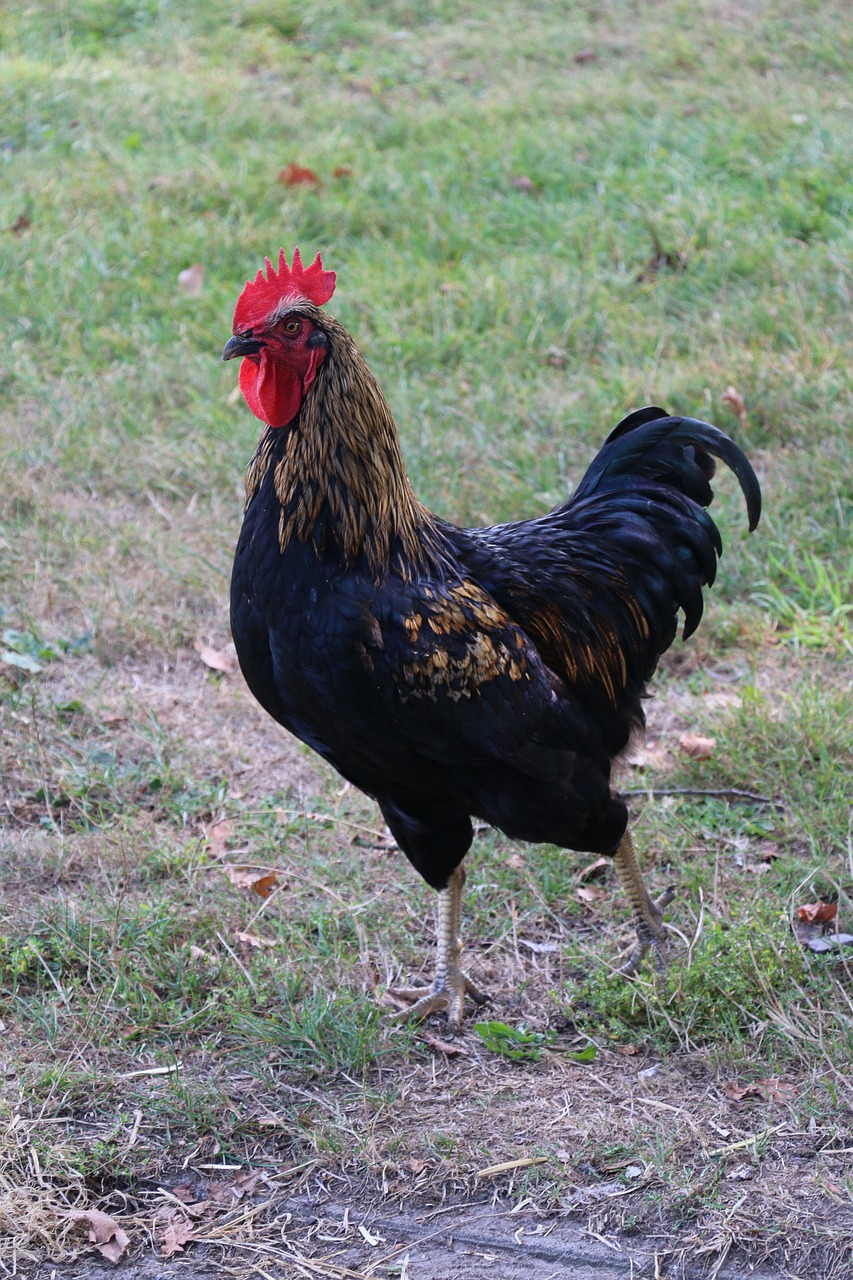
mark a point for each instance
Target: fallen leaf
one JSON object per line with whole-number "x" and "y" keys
{"x": 594, "y": 868}
{"x": 590, "y": 894}
{"x": 217, "y": 836}
{"x": 224, "y": 660}
{"x": 697, "y": 747}
{"x": 522, "y": 183}
{"x": 776, "y": 1090}
{"x": 191, "y": 279}
{"x": 516, "y": 861}
{"x": 768, "y": 852}
{"x": 264, "y": 887}
{"x": 198, "y": 953}
{"x": 734, "y": 399}
{"x": 248, "y": 878}
{"x": 295, "y": 175}
{"x": 818, "y": 912}
{"x": 772, "y": 1090}
{"x": 416, "y": 1166}
{"x": 628, "y": 1050}
{"x": 104, "y": 1233}
{"x": 447, "y": 1047}
{"x": 253, "y": 940}
{"x": 178, "y": 1232}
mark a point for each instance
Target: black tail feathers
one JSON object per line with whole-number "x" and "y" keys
{"x": 678, "y": 452}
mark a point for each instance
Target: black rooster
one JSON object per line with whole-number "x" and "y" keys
{"x": 457, "y": 673}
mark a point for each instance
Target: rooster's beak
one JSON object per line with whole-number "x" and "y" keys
{"x": 242, "y": 344}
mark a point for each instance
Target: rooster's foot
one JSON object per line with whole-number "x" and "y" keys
{"x": 650, "y": 935}
{"x": 446, "y": 995}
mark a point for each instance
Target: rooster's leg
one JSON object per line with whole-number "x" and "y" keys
{"x": 450, "y": 985}
{"x": 648, "y": 912}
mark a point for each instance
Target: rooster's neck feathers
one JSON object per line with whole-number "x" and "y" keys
{"x": 339, "y": 474}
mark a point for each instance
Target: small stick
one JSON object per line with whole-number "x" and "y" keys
{"x": 651, "y": 793}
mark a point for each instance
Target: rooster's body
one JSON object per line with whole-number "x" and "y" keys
{"x": 457, "y": 673}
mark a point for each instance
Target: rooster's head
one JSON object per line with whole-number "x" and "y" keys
{"x": 276, "y": 333}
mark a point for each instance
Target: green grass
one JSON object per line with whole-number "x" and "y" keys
{"x": 685, "y": 226}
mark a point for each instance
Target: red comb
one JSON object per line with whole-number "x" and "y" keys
{"x": 266, "y": 293}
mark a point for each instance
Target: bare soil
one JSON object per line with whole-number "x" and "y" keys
{"x": 484, "y": 1240}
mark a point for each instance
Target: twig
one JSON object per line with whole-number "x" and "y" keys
{"x": 747, "y": 1142}
{"x": 651, "y": 793}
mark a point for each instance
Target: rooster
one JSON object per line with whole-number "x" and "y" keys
{"x": 452, "y": 673}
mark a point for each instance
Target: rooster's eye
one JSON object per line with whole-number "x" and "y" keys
{"x": 292, "y": 326}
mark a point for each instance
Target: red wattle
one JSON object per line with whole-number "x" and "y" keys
{"x": 272, "y": 393}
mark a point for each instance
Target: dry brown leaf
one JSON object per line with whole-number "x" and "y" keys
{"x": 264, "y": 887}
{"x": 229, "y": 1193}
{"x": 253, "y": 939}
{"x": 732, "y": 397}
{"x": 516, "y": 861}
{"x": 224, "y": 660}
{"x": 696, "y": 746}
{"x": 248, "y": 878}
{"x": 104, "y": 1233}
{"x": 191, "y": 279}
{"x": 818, "y": 912}
{"x": 594, "y": 869}
{"x": 772, "y": 1090}
{"x": 217, "y": 836}
{"x": 416, "y": 1166}
{"x": 590, "y": 894}
{"x": 447, "y": 1047}
{"x": 178, "y": 1232}
{"x": 295, "y": 175}
{"x": 184, "y": 1193}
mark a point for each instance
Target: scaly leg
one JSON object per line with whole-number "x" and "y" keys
{"x": 648, "y": 913}
{"x": 450, "y": 985}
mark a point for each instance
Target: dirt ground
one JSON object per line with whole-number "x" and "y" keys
{"x": 455, "y": 1243}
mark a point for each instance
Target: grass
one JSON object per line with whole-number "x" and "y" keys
{"x": 544, "y": 222}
